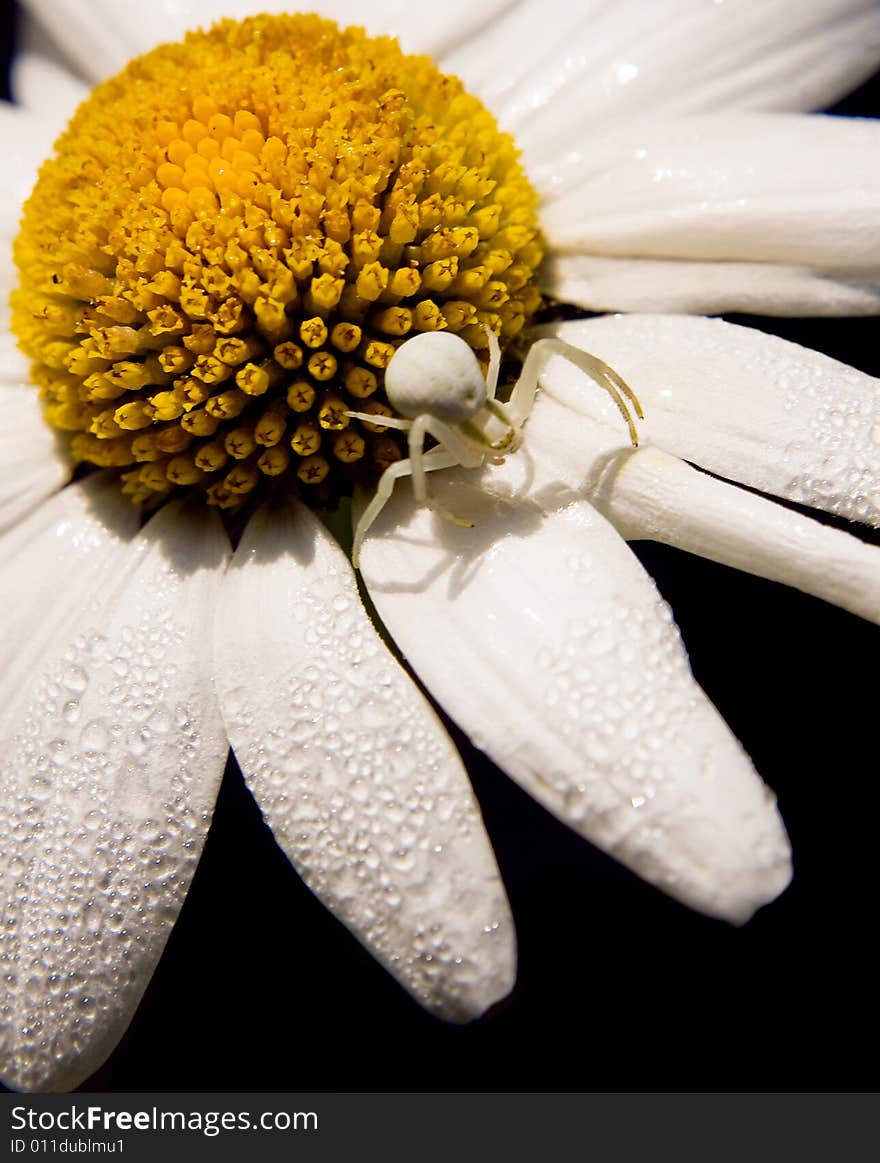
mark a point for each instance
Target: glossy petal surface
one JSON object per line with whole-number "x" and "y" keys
{"x": 561, "y": 662}
{"x": 556, "y": 72}
{"x": 361, "y": 786}
{"x": 107, "y": 789}
{"x": 800, "y": 194}
{"x": 83, "y": 531}
{"x": 748, "y": 406}
{"x": 599, "y": 283}
{"x": 575, "y": 447}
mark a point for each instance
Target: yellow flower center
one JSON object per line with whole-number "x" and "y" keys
{"x": 233, "y": 237}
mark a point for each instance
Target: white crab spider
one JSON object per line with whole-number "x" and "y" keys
{"x": 435, "y": 381}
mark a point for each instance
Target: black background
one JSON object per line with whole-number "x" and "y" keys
{"x": 619, "y": 987}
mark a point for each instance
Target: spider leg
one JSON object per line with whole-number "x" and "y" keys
{"x": 495, "y": 407}
{"x": 467, "y": 452}
{"x": 494, "y": 364}
{"x": 463, "y": 451}
{"x": 508, "y": 442}
{"x": 436, "y": 458}
{"x": 416, "y": 440}
{"x": 522, "y": 399}
{"x": 385, "y": 421}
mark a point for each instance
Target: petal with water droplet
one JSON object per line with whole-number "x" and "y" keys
{"x": 80, "y": 534}
{"x": 576, "y": 447}
{"x": 361, "y": 786}
{"x": 107, "y": 789}
{"x": 557, "y": 656}
{"x": 748, "y": 406}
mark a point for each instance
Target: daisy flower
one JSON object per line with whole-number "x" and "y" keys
{"x": 234, "y": 240}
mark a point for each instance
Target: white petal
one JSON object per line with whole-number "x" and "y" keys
{"x": 357, "y": 779}
{"x": 31, "y": 463}
{"x": 81, "y": 534}
{"x": 542, "y": 636}
{"x": 109, "y": 785}
{"x": 101, "y": 40}
{"x": 575, "y": 449}
{"x": 788, "y": 189}
{"x": 13, "y": 365}
{"x": 47, "y": 89}
{"x": 517, "y": 48}
{"x": 749, "y": 406}
{"x": 555, "y": 71}
{"x": 26, "y": 141}
{"x": 646, "y": 284}
{"x": 660, "y": 497}
{"x": 31, "y": 466}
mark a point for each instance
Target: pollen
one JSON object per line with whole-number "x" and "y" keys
{"x": 236, "y": 233}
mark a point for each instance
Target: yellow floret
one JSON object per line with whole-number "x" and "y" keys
{"x": 234, "y": 236}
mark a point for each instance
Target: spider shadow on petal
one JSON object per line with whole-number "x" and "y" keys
{"x": 459, "y": 552}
